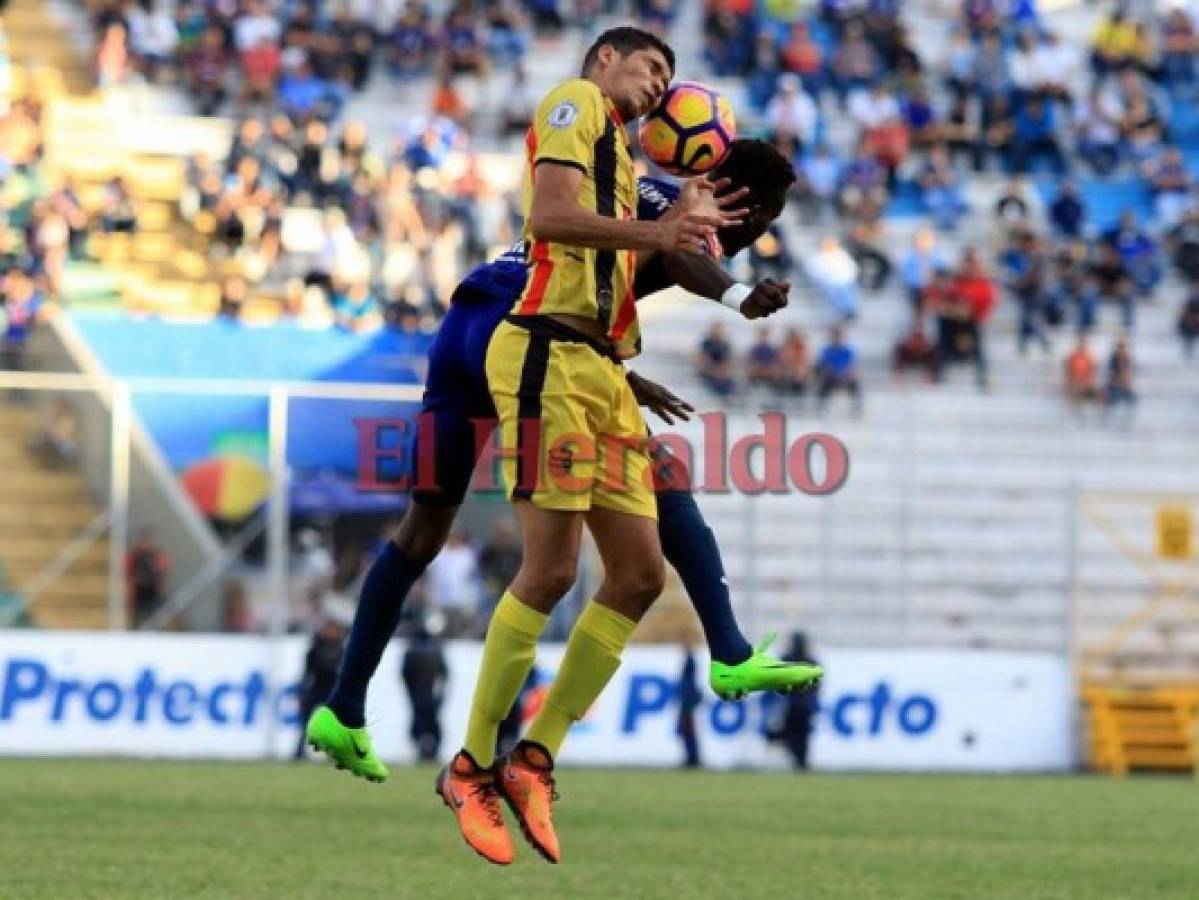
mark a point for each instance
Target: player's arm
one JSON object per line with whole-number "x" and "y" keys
{"x": 556, "y": 216}
{"x": 701, "y": 274}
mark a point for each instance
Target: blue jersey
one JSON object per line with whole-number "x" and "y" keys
{"x": 457, "y": 400}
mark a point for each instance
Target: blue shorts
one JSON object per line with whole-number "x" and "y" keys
{"x": 457, "y": 415}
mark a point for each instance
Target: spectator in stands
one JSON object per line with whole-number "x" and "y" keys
{"x": 22, "y": 306}
{"x": 1071, "y": 287}
{"x": 409, "y": 49}
{"x": 866, "y": 242}
{"x": 117, "y": 211}
{"x": 998, "y": 133}
{"x": 800, "y": 707}
{"x": 1082, "y": 384}
{"x": 1188, "y": 322}
{"x": 112, "y": 63}
{"x": 1025, "y": 266}
{"x": 1035, "y": 137}
{"x": 884, "y": 133}
{"x": 835, "y": 274}
{"x": 354, "y": 306}
{"x": 762, "y": 362}
{"x": 260, "y": 66}
{"x": 1183, "y": 244}
{"x": 56, "y": 442}
{"x": 991, "y": 79}
{"x": 1097, "y": 132}
{"x": 1114, "y": 44}
{"x": 726, "y": 40}
{"x": 519, "y": 104}
{"x": 972, "y": 283}
{"x": 453, "y": 585}
{"x": 816, "y": 187}
{"x": 153, "y": 38}
{"x": 863, "y": 184}
{"x": 1067, "y": 214}
{"x": 794, "y": 364}
{"x": 1137, "y": 249}
{"x": 791, "y": 114}
{"x": 1170, "y": 183}
{"x": 1012, "y": 207}
{"x": 855, "y": 65}
{"x": 234, "y": 292}
{"x": 206, "y": 69}
{"x": 914, "y": 350}
{"x": 1140, "y": 122}
{"x": 1113, "y": 281}
{"x": 838, "y": 370}
{"x": 714, "y": 362}
{"x": 1177, "y": 67}
{"x": 146, "y": 569}
{"x": 769, "y": 255}
{"x": 1120, "y": 367}
{"x": 804, "y": 57}
{"x": 962, "y": 131}
{"x": 919, "y": 264}
{"x": 463, "y": 50}
{"x": 941, "y": 192}
{"x": 1054, "y": 66}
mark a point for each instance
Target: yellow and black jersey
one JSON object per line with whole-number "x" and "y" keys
{"x": 576, "y": 125}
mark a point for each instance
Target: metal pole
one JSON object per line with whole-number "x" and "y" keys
{"x": 277, "y": 545}
{"x": 118, "y": 504}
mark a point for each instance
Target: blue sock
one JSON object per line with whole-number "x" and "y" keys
{"x": 690, "y": 546}
{"x": 384, "y": 590}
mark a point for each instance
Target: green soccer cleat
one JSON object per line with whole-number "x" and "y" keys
{"x": 347, "y": 748}
{"x": 761, "y": 672}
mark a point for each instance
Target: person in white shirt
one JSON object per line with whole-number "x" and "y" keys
{"x": 153, "y": 37}
{"x": 792, "y": 113}
{"x": 453, "y": 584}
{"x": 255, "y": 26}
{"x": 873, "y": 108}
{"x": 835, "y": 273}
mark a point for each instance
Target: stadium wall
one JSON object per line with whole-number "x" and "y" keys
{"x": 161, "y": 695}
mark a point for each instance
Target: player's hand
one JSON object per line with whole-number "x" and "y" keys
{"x": 712, "y": 198}
{"x": 658, "y": 400}
{"x": 689, "y": 232}
{"x": 767, "y": 298}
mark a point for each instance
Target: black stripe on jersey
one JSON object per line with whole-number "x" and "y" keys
{"x": 528, "y": 416}
{"x": 605, "y": 205}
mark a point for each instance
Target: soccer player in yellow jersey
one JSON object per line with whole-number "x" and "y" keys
{"x": 571, "y": 430}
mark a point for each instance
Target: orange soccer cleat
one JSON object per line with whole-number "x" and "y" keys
{"x": 525, "y": 779}
{"x": 470, "y": 793}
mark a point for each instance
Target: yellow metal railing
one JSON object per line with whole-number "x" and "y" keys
{"x": 1149, "y": 728}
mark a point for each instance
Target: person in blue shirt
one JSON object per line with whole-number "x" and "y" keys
{"x": 1137, "y": 250}
{"x": 453, "y": 427}
{"x": 1035, "y": 137}
{"x": 838, "y": 370}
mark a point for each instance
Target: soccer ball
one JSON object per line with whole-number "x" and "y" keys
{"x": 691, "y": 130}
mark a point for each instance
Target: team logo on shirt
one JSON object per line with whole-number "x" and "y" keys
{"x": 563, "y": 114}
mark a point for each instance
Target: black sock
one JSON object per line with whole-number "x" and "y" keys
{"x": 383, "y": 593}
{"x": 690, "y": 546}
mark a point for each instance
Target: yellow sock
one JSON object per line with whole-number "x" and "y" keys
{"x": 507, "y": 660}
{"x": 592, "y": 658}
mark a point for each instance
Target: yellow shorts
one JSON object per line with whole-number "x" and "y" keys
{"x": 571, "y": 433}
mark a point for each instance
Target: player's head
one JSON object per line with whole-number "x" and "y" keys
{"x": 768, "y": 174}
{"x": 632, "y": 67}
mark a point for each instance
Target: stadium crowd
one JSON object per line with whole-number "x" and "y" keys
{"x": 1007, "y": 96}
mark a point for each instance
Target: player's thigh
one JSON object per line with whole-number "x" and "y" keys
{"x": 546, "y": 418}
{"x": 632, "y": 555}
{"x": 624, "y": 480}
{"x": 551, "y": 554}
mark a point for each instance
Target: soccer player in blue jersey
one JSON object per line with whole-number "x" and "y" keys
{"x": 457, "y": 399}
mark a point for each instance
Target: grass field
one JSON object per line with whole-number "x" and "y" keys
{"x": 74, "y": 830}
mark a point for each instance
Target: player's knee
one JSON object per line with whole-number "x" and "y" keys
{"x": 420, "y": 538}
{"x": 544, "y": 586}
{"x": 641, "y": 583}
